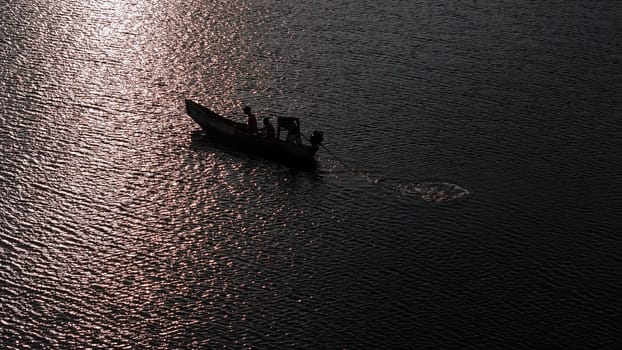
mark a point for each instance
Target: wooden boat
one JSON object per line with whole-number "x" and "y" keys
{"x": 238, "y": 135}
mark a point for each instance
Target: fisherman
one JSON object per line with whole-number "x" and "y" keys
{"x": 252, "y": 120}
{"x": 268, "y": 129}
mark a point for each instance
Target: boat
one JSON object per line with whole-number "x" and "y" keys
{"x": 237, "y": 135}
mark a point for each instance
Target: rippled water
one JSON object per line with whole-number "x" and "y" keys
{"x": 471, "y": 200}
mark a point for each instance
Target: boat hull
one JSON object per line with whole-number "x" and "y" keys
{"x": 226, "y": 131}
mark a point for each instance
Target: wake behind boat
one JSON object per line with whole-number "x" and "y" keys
{"x": 238, "y": 135}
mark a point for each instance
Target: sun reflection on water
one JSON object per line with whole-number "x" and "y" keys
{"x": 145, "y": 235}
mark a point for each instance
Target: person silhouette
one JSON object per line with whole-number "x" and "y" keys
{"x": 251, "y": 120}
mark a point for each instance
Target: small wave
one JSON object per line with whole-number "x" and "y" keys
{"x": 434, "y": 192}
{"x": 428, "y": 191}
{"x": 437, "y": 192}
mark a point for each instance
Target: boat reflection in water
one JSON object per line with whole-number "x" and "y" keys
{"x": 229, "y": 132}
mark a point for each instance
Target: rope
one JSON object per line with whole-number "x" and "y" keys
{"x": 332, "y": 154}
{"x": 336, "y": 158}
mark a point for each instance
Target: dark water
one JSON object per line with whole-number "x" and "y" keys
{"x": 483, "y": 209}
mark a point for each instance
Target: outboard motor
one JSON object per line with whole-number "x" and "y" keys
{"x": 316, "y": 138}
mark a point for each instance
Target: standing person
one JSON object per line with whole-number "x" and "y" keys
{"x": 268, "y": 129}
{"x": 252, "y": 120}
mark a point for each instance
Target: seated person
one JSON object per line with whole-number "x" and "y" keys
{"x": 268, "y": 129}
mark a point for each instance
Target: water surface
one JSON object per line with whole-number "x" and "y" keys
{"x": 478, "y": 206}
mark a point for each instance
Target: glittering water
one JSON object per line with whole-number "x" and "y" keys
{"x": 478, "y": 207}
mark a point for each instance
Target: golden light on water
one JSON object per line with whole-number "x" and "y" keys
{"x": 129, "y": 157}
{"x": 126, "y": 226}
